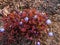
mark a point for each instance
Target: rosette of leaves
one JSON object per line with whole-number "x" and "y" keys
{"x": 29, "y": 24}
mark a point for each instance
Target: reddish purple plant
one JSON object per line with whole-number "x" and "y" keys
{"x": 27, "y": 24}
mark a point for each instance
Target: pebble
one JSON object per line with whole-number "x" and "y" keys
{"x": 20, "y": 11}
{"x": 26, "y": 18}
{"x": 38, "y": 43}
{"x": 35, "y": 16}
{"x": 48, "y": 21}
{"x": 50, "y": 33}
{"x": 21, "y": 23}
{"x": 1, "y": 29}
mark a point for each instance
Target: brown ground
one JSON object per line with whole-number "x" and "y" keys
{"x": 55, "y": 28}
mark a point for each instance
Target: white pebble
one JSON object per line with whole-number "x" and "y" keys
{"x": 38, "y": 43}
{"x": 26, "y": 18}
{"x": 48, "y": 21}
{"x": 21, "y": 23}
{"x": 20, "y": 11}
{"x": 1, "y": 29}
{"x": 50, "y": 33}
{"x": 35, "y": 16}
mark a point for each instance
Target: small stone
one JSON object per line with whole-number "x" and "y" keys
{"x": 48, "y": 29}
{"x": 20, "y": 11}
{"x": 26, "y": 18}
{"x": 50, "y": 33}
{"x": 35, "y": 16}
{"x": 48, "y": 21}
{"x": 1, "y": 29}
{"x": 21, "y": 23}
{"x": 38, "y": 43}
